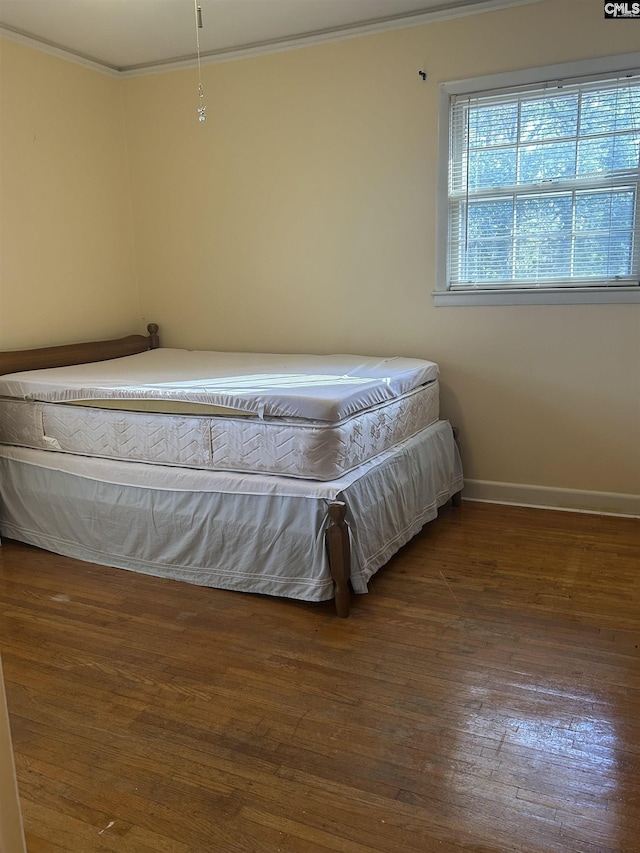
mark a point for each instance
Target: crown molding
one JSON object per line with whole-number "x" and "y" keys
{"x": 56, "y": 50}
{"x": 324, "y": 36}
{"x": 262, "y": 48}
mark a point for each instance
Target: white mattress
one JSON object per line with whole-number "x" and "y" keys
{"x": 324, "y": 388}
{"x": 250, "y": 533}
{"x": 289, "y": 447}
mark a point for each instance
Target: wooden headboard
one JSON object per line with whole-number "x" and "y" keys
{"x": 34, "y": 359}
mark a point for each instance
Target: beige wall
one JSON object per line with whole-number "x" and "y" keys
{"x": 66, "y": 250}
{"x": 301, "y": 216}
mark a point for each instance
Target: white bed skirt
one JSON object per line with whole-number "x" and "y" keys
{"x": 250, "y": 533}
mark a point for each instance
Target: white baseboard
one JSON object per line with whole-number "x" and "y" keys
{"x": 545, "y": 497}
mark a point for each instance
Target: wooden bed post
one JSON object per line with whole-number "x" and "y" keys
{"x": 154, "y": 337}
{"x": 339, "y": 556}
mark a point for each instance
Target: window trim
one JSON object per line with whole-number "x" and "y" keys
{"x": 540, "y": 295}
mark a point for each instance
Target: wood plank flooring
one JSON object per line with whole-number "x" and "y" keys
{"x": 484, "y": 697}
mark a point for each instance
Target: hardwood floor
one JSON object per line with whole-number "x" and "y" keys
{"x": 485, "y": 697}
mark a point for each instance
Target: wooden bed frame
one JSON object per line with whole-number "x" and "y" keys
{"x": 337, "y": 534}
{"x": 64, "y": 356}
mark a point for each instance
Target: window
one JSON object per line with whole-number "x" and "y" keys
{"x": 539, "y": 187}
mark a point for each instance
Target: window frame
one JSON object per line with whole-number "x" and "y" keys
{"x": 562, "y": 294}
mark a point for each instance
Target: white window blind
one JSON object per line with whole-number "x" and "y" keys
{"x": 543, "y": 186}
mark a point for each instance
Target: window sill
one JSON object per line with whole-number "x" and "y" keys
{"x": 538, "y": 296}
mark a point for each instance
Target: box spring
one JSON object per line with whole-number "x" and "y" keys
{"x": 246, "y": 532}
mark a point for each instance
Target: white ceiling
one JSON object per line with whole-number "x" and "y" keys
{"x": 126, "y": 35}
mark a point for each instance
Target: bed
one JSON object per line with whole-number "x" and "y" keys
{"x": 296, "y": 476}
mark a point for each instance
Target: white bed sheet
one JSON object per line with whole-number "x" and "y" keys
{"x": 249, "y": 533}
{"x": 325, "y": 388}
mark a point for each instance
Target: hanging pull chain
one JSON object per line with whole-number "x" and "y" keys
{"x": 202, "y": 110}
